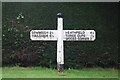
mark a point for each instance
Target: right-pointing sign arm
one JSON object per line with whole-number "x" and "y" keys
{"x": 79, "y": 35}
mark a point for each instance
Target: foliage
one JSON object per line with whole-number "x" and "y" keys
{"x": 19, "y": 18}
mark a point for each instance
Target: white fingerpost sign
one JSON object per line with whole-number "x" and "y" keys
{"x": 61, "y": 35}
{"x": 60, "y": 58}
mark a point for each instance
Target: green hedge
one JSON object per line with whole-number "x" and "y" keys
{"x": 19, "y": 18}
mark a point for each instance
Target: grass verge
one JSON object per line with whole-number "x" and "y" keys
{"x": 38, "y": 72}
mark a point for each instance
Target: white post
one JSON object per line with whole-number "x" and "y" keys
{"x": 60, "y": 51}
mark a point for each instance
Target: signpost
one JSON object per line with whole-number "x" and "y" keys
{"x": 61, "y": 35}
{"x": 68, "y": 35}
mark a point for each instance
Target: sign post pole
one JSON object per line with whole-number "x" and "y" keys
{"x": 60, "y": 52}
{"x": 61, "y": 35}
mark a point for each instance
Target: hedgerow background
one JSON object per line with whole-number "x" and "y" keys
{"x": 19, "y": 18}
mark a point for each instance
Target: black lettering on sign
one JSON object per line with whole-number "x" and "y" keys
{"x": 51, "y": 34}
